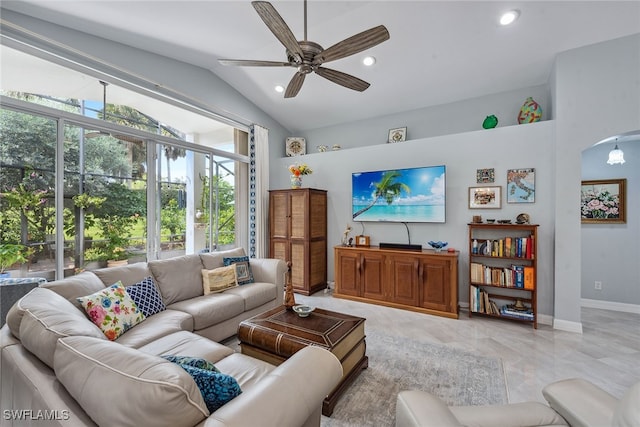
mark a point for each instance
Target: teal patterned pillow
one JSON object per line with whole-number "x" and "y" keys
{"x": 243, "y": 268}
{"x": 216, "y": 388}
{"x": 194, "y": 362}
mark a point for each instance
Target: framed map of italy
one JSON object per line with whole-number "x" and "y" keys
{"x": 521, "y": 185}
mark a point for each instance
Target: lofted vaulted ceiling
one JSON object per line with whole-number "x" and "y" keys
{"x": 439, "y": 51}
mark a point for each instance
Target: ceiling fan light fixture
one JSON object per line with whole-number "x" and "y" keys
{"x": 279, "y": 88}
{"x": 509, "y": 17}
{"x": 369, "y": 60}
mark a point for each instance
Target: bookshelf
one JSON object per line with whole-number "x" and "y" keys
{"x": 503, "y": 271}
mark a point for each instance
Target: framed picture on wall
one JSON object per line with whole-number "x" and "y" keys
{"x": 397, "y": 135}
{"x": 603, "y": 201}
{"x": 521, "y": 185}
{"x": 485, "y": 176}
{"x": 485, "y": 197}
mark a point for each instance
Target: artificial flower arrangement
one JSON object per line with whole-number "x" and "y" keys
{"x": 298, "y": 170}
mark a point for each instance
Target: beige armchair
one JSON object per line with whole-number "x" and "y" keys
{"x": 572, "y": 402}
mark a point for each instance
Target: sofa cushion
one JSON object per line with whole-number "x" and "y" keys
{"x": 213, "y": 260}
{"x": 257, "y": 294}
{"x": 112, "y": 310}
{"x": 219, "y": 279}
{"x": 627, "y": 412}
{"x": 76, "y": 286}
{"x": 244, "y": 274}
{"x": 144, "y": 388}
{"x": 127, "y": 274}
{"x": 178, "y": 278}
{"x": 216, "y": 388}
{"x": 188, "y": 343}
{"x": 154, "y": 327}
{"x": 146, "y": 295}
{"x": 211, "y": 309}
{"x": 247, "y": 370}
{"x": 47, "y": 316}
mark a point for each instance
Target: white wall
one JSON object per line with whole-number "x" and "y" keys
{"x": 463, "y": 154}
{"x": 596, "y": 95}
{"x": 610, "y": 252}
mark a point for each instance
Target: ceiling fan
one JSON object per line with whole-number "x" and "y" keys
{"x": 308, "y": 56}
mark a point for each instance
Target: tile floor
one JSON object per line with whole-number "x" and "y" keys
{"x": 606, "y": 353}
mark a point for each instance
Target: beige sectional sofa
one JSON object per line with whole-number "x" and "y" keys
{"x": 58, "y": 368}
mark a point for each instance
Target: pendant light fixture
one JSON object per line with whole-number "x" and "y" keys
{"x": 616, "y": 156}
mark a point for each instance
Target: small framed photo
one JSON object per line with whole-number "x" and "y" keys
{"x": 362, "y": 241}
{"x": 397, "y": 135}
{"x": 485, "y": 197}
{"x": 521, "y": 185}
{"x": 295, "y": 146}
{"x": 603, "y": 201}
{"x": 485, "y": 176}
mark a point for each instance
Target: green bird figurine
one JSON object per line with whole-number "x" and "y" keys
{"x": 490, "y": 122}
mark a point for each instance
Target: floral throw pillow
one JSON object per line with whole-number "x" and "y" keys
{"x": 243, "y": 268}
{"x": 112, "y": 310}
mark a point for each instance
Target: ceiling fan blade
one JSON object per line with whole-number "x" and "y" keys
{"x": 354, "y": 44}
{"x": 251, "y": 63}
{"x": 294, "y": 85}
{"x": 278, "y": 27}
{"x": 343, "y": 79}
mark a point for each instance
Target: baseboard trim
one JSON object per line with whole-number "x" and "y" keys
{"x": 610, "y": 305}
{"x": 565, "y": 325}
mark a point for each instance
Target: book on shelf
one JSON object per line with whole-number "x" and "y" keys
{"x": 510, "y": 247}
{"x": 529, "y": 277}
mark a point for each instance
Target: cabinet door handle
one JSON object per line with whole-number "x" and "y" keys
{"x": 420, "y": 272}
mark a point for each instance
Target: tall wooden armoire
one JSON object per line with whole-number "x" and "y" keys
{"x": 298, "y": 234}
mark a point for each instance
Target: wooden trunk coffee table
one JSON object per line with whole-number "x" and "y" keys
{"x": 277, "y": 334}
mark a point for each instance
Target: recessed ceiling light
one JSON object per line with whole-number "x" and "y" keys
{"x": 279, "y": 89}
{"x": 509, "y": 17}
{"x": 369, "y": 61}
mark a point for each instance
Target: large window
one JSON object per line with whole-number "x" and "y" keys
{"x": 78, "y": 191}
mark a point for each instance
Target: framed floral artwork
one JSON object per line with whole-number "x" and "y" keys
{"x": 485, "y": 197}
{"x": 603, "y": 201}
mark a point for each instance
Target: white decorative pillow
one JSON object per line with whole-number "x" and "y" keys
{"x": 219, "y": 279}
{"x": 112, "y": 310}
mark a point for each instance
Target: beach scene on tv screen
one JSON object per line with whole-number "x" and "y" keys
{"x": 399, "y": 195}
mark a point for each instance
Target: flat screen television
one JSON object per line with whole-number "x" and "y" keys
{"x": 399, "y": 195}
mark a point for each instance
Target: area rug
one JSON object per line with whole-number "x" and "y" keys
{"x": 396, "y": 364}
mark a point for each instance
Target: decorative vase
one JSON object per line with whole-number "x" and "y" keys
{"x": 529, "y": 112}
{"x": 296, "y": 181}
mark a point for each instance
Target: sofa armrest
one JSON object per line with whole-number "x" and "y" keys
{"x": 525, "y": 414}
{"x": 269, "y": 270}
{"x": 415, "y": 408}
{"x": 288, "y": 396}
{"x": 580, "y": 402}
